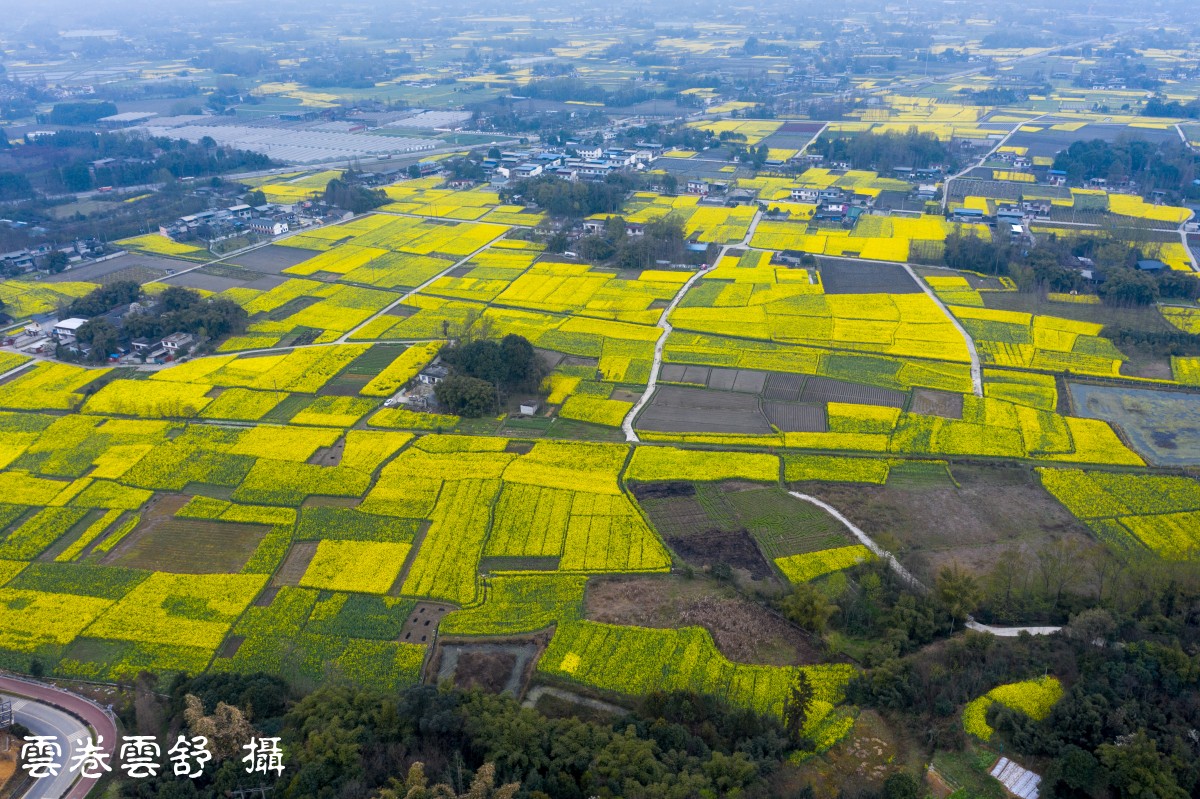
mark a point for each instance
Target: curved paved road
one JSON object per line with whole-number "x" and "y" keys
{"x": 46, "y": 710}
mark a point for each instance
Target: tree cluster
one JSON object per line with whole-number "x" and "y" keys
{"x": 662, "y": 239}
{"x": 424, "y": 742}
{"x": 137, "y": 160}
{"x": 1160, "y": 106}
{"x": 973, "y": 253}
{"x": 1127, "y": 656}
{"x": 177, "y": 309}
{"x": 80, "y": 113}
{"x": 883, "y": 152}
{"x": 484, "y": 372}
{"x": 572, "y": 199}
{"x": 349, "y": 194}
{"x": 1166, "y": 166}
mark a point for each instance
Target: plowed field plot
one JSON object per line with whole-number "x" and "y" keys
{"x": 672, "y": 373}
{"x": 783, "y": 140}
{"x": 549, "y": 357}
{"x": 99, "y": 272}
{"x": 200, "y": 280}
{"x": 825, "y": 389}
{"x": 841, "y": 276}
{"x": 273, "y": 258}
{"x": 676, "y": 509}
{"x": 722, "y": 379}
{"x": 138, "y": 274}
{"x": 230, "y": 271}
{"x": 745, "y": 381}
{"x": 675, "y": 409}
{"x": 189, "y": 546}
{"x": 742, "y": 629}
{"x": 295, "y": 564}
{"x": 937, "y": 403}
{"x": 792, "y": 417}
{"x": 800, "y": 127}
{"x": 735, "y": 549}
{"x": 785, "y": 388}
{"x": 422, "y": 621}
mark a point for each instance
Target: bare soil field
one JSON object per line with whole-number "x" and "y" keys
{"x": 295, "y": 564}
{"x": 931, "y": 523}
{"x": 488, "y": 671}
{"x": 705, "y": 549}
{"x": 494, "y": 667}
{"x": 937, "y": 403}
{"x": 273, "y": 258}
{"x": 423, "y": 622}
{"x": 679, "y": 408}
{"x": 826, "y": 389}
{"x": 97, "y": 273}
{"x": 743, "y": 630}
{"x": 136, "y": 273}
{"x": 793, "y": 417}
{"x": 842, "y": 276}
{"x": 200, "y": 280}
{"x": 189, "y": 546}
{"x": 785, "y": 388}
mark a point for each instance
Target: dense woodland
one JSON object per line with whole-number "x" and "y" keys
{"x": 572, "y": 199}
{"x": 1169, "y": 167}
{"x": 64, "y": 162}
{"x": 883, "y": 152}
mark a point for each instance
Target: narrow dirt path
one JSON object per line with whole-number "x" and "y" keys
{"x": 536, "y": 693}
{"x": 976, "y": 367}
{"x": 907, "y": 576}
{"x": 1187, "y": 249}
{"x": 863, "y": 539}
{"x": 665, "y": 326}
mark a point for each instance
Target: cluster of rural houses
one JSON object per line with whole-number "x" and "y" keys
{"x": 220, "y": 224}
